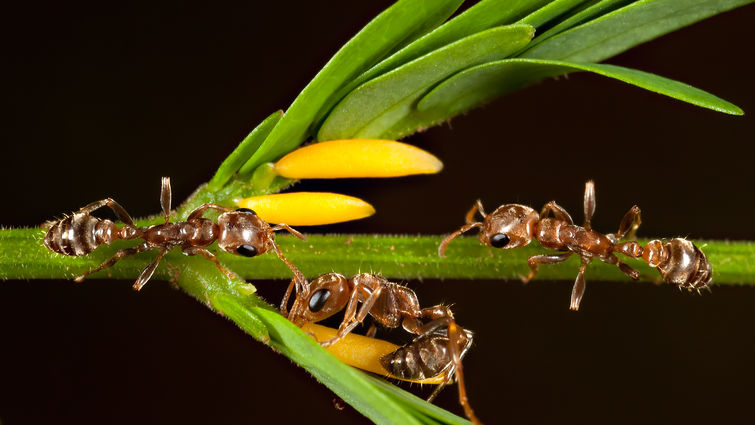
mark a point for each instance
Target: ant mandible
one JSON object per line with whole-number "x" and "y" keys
{"x": 438, "y": 350}
{"x": 510, "y": 226}
{"x": 239, "y": 232}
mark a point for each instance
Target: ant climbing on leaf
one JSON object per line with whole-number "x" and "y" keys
{"x": 240, "y": 232}
{"x": 679, "y": 261}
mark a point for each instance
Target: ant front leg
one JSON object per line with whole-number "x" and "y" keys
{"x": 352, "y": 318}
{"x": 194, "y": 250}
{"x": 465, "y": 228}
{"x": 115, "y": 258}
{"x": 558, "y": 212}
{"x": 535, "y": 261}
{"x": 578, "y": 291}
{"x": 289, "y": 229}
{"x": 197, "y": 213}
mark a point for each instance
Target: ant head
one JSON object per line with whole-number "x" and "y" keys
{"x": 243, "y": 233}
{"x": 328, "y": 294}
{"x": 510, "y": 226}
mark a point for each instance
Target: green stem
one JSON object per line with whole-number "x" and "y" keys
{"x": 23, "y": 256}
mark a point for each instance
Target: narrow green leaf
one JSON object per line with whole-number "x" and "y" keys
{"x": 418, "y": 404}
{"x": 240, "y": 314}
{"x": 483, "y": 15}
{"x": 244, "y": 151}
{"x": 627, "y": 27}
{"x": 585, "y": 14}
{"x": 550, "y": 12}
{"x": 399, "y": 24}
{"x": 348, "y": 383}
{"x": 378, "y": 104}
{"x": 482, "y": 83}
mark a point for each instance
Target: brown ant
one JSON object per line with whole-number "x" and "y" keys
{"x": 438, "y": 350}
{"x": 679, "y": 261}
{"x": 239, "y": 232}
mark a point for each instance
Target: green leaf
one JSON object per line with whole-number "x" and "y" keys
{"x": 419, "y": 404}
{"x": 378, "y": 104}
{"x": 399, "y": 24}
{"x": 485, "y": 82}
{"x": 243, "y": 151}
{"x": 550, "y": 12}
{"x": 627, "y": 27}
{"x": 348, "y": 383}
{"x": 483, "y": 15}
{"x": 583, "y": 15}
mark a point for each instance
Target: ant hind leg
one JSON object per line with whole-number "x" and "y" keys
{"x": 114, "y": 259}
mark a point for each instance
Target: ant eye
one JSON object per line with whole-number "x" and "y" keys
{"x": 499, "y": 240}
{"x": 318, "y": 299}
{"x": 246, "y": 210}
{"x": 247, "y": 250}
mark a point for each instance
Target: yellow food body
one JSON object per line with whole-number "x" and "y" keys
{"x": 357, "y": 158}
{"x": 360, "y": 351}
{"x": 307, "y": 208}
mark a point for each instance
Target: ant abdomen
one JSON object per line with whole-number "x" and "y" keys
{"x": 79, "y": 234}
{"x": 426, "y": 357}
{"x": 680, "y": 263}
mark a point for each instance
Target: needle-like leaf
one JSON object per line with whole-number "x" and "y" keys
{"x": 627, "y": 27}
{"x": 488, "y": 81}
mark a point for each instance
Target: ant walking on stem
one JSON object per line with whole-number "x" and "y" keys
{"x": 436, "y": 351}
{"x": 510, "y": 226}
{"x": 239, "y": 232}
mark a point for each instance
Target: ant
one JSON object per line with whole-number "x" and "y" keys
{"x": 239, "y": 232}
{"x": 437, "y": 350}
{"x": 679, "y": 261}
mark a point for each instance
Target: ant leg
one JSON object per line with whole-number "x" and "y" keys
{"x": 536, "y": 260}
{"x": 469, "y": 218}
{"x": 454, "y": 333}
{"x": 148, "y": 271}
{"x": 119, "y": 211}
{"x": 454, "y": 235}
{"x": 281, "y": 226}
{"x": 589, "y": 203}
{"x": 198, "y": 211}
{"x": 352, "y": 318}
{"x": 194, "y": 250}
{"x": 625, "y": 268}
{"x": 578, "y": 291}
{"x": 629, "y": 223}
{"x": 302, "y": 289}
{"x": 373, "y": 330}
{"x": 114, "y": 259}
{"x": 165, "y": 198}
{"x": 284, "y": 301}
{"x": 558, "y": 212}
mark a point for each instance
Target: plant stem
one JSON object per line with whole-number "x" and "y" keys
{"x": 23, "y": 256}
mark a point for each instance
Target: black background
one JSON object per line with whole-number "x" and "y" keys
{"x": 104, "y": 99}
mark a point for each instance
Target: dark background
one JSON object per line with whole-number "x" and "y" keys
{"x": 103, "y": 100}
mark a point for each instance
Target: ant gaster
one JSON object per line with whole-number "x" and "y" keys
{"x": 510, "y": 226}
{"x": 239, "y": 232}
{"x": 437, "y": 350}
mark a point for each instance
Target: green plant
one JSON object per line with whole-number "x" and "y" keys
{"x": 328, "y": 110}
